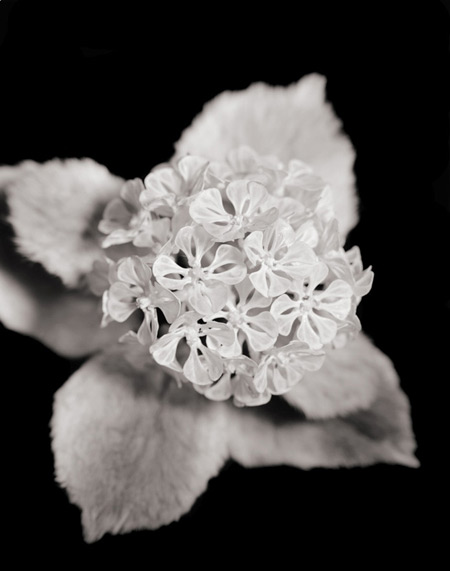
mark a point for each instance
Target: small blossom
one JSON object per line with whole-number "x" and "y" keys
{"x": 237, "y": 382}
{"x": 244, "y": 314}
{"x": 250, "y": 212}
{"x": 124, "y": 220}
{"x": 279, "y": 258}
{"x": 167, "y": 188}
{"x": 317, "y": 311}
{"x": 203, "y": 365}
{"x": 134, "y": 290}
{"x": 283, "y": 367}
{"x": 362, "y": 279}
{"x": 204, "y": 282}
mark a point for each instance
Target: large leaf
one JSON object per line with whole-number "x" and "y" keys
{"x": 54, "y": 209}
{"x": 382, "y": 432}
{"x": 133, "y": 450}
{"x": 348, "y": 381}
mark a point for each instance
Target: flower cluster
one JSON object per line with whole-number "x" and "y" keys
{"x": 236, "y": 270}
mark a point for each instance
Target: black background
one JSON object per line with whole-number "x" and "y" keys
{"x": 119, "y": 86}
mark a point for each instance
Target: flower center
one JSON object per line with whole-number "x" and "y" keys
{"x": 239, "y": 219}
{"x": 306, "y": 304}
{"x": 197, "y": 273}
{"x": 268, "y": 260}
{"x": 191, "y": 336}
{"x": 140, "y": 218}
{"x": 143, "y": 302}
{"x": 236, "y": 317}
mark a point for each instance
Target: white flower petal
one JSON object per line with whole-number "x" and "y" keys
{"x": 299, "y": 260}
{"x": 191, "y": 168}
{"x": 326, "y": 328}
{"x": 306, "y": 334}
{"x": 165, "y": 266}
{"x": 164, "y": 351}
{"x": 285, "y": 311}
{"x": 166, "y": 301}
{"x": 261, "y": 331}
{"x": 121, "y": 301}
{"x": 253, "y": 247}
{"x": 227, "y": 255}
{"x": 194, "y": 242}
{"x": 133, "y": 270}
{"x": 208, "y": 211}
{"x": 220, "y": 390}
{"x": 195, "y": 369}
{"x": 115, "y": 217}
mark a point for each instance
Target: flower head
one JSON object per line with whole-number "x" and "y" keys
{"x": 243, "y": 258}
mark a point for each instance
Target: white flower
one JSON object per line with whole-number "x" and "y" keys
{"x": 248, "y": 200}
{"x": 279, "y": 258}
{"x": 317, "y": 311}
{"x": 203, "y": 365}
{"x": 203, "y": 281}
{"x": 125, "y": 220}
{"x": 283, "y": 367}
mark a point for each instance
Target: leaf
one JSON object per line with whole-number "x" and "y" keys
{"x": 132, "y": 449}
{"x": 293, "y": 122}
{"x": 55, "y": 208}
{"x": 381, "y": 432}
{"x": 347, "y": 381}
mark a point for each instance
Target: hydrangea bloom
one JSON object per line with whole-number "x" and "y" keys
{"x": 251, "y": 275}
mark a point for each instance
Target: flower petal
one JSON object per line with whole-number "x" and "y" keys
{"x": 261, "y": 331}
{"x": 274, "y": 435}
{"x": 165, "y": 266}
{"x": 194, "y": 242}
{"x": 221, "y": 390}
{"x": 191, "y": 169}
{"x": 132, "y": 449}
{"x": 115, "y": 217}
{"x": 299, "y": 260}
{"x": 131, "y": 191}
{"x": 298, "y": 124}
{"x": 203, "y": 369}
{"x": 247, "y": 197}
{"x": 121, "y": 301}
{"x": 268, "y": 283}
{"x": 253, "y": 246}
{"x": 209, "y": 298}
{"x": 207, "y": 209}
{"x": 195, "y": 369}
{"x": 55, "y": 208}
{"x": 220, "y": 269}
{"x": 166, "y": 301}
{"x": 285, "y": 310}
{"x": 164, "y": 351}
{"x": 133, "y": 271}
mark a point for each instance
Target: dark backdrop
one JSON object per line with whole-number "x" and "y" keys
{"x": 120, "y": 86}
